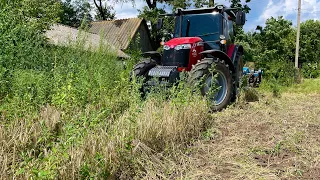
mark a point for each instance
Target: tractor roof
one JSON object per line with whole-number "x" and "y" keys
{"x": 219, "y": 8}
{"x": 199, "y": 10}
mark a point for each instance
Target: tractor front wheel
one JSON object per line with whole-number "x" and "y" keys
{"x": 214, "y": 79}
{"x": 142, "y": 68}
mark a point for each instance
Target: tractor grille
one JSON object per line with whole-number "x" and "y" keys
{"x": 161, "y": 71}
{"x": 178, "y": 58}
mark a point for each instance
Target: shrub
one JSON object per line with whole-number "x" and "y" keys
{"x": 281, "y": 71}
{"x": 310, "y": 70}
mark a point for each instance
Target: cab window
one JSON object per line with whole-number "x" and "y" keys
{"x": 230, "y": 29}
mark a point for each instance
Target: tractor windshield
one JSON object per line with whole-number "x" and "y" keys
{"x": 206, "y": 26}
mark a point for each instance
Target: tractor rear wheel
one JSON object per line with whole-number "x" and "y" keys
{"x": 213, "y": 77}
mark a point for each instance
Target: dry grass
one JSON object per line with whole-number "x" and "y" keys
{"x": 53, "y": 144}
{"x": 125, "y": 147}
{"x": 24, "y": 139}
{"x": 269, "y": 139}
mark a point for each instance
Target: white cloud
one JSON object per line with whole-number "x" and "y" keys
{"x": 125, "y": 10}
{"x": 223, "y": 2}
{"x": 288, "y": 9}
{"x": 129, "y": 9}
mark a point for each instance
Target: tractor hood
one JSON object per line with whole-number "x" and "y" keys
{"x": 182, "y": 40}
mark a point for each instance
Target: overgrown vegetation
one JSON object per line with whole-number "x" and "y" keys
{"x": 82, "y": 119}
{"x": 68, "y": 113}
{"x": 273, "y": 50}
{"x": 71, "y": 113}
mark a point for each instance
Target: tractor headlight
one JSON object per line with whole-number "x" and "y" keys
{"x": 183, "y": 46}
{"x": 166, "y": 47}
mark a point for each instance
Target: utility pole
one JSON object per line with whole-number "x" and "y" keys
{"x": 298, "y": 36}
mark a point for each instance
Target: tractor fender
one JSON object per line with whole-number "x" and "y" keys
{"x": 221, "y": 55}
{"x": 155, "y": 55}
{"x": 237, "y": 49}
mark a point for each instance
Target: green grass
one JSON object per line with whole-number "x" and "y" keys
{"x": 78, "y": 116}
{"x": 307, "y": 86}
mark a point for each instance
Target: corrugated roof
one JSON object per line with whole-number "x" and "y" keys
{"x": 117, "y": 32}
{"x": 63, "y": 35}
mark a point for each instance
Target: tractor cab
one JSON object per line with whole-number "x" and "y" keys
{"x": 209, "y": 25}
{"x": 202, "y": 39}
{"x": 200, "y": 30}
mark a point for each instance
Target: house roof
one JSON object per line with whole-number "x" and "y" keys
{"x": 63, "y": 35}
{"x": 117, "y": 32}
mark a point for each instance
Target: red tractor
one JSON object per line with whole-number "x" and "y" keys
{"x": 203, "y": 40}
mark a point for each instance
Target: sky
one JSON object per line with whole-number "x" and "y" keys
{"x": 260, "y": 10}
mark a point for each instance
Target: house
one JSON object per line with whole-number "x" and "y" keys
{"x": 64, "y": 35}
{"x": 124, "y": 34}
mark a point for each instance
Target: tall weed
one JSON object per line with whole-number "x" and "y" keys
{"x": 72, "y": 113}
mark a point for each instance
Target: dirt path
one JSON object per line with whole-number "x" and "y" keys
{"x": 269, "y": 139}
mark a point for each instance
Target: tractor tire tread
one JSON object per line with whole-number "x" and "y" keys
{"x": 141, "y": 68}
{"x": 202, "y": 68}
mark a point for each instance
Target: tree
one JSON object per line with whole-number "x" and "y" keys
{"x": 310, "y": 42}
{"x": 83, "y": 9}
{"x": 238, "y": 4}
{"x": 309, "y": 48}
{"x": 74, "y": 12}
{"x": 68, "y": 15}
{"x": 105, "y": 13}
{"x": 272, "y": 48}
{"x": 152, "y": 16}
{"x": 22, "y": 27}
{"x": 41, "y": 13}
{"x": 152, "y": 4}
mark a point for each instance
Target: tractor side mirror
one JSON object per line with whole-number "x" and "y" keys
{"x": 159, "y": 24}
{"x": 240, "y": 18}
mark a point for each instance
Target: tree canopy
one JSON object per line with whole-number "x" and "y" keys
{"x": 273, "y": 48}
{"x": 152, "y": 4}
{"x": 22, "y": 24}
{"x": 74, "y": 12}
{"x": 103, "y": 10}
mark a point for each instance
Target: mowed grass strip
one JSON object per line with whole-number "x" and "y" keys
{"x": 273, "y": 138}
